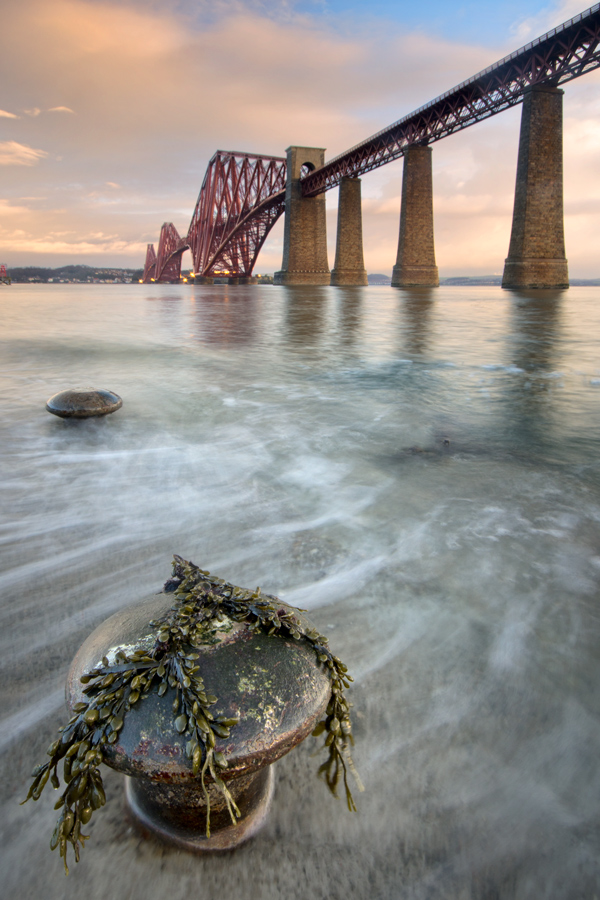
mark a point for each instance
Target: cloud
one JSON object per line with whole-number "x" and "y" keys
{"x": 159, "y": 85}
{"x": 34, "y": 111}
{"x": 530, "y": 27}
{"x": 7, "y": 115}
{"x": 20, "y": 241}
{"x": 123, "y": 69}
{"x": 7, "y": 209}
{"x": 15, "y": 154}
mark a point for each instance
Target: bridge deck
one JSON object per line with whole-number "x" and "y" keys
{"x": 560, "y": 55}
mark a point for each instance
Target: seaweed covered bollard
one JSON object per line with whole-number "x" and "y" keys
{"x": 192, "y": 694}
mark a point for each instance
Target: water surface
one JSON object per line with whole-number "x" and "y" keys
{"x": 420, "y": 470}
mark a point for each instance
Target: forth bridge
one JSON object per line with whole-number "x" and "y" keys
{"x": 244, "y": 194}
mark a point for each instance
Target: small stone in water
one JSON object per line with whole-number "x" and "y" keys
{"x": 82, "y": 403}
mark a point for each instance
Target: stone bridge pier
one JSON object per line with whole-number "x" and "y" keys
{"x": 349, "y": 265}
{"x": 415, "y": 263}
{"x": 536, "y": 255}
{"x": 305, "y": 232}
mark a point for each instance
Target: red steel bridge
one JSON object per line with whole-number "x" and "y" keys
{"x": 243, "y": 194}
{"x": 241, "y": 198}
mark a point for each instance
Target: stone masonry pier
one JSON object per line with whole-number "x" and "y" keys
{"x": 415, "y": 264}
{"x": 305, "y": 232}
{"x": 349, "y": 265}
{"x": 536, "y": 256}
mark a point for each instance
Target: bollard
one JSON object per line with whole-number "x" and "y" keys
{"x": 273, "y": 686}
{"x": 198, "y": 764}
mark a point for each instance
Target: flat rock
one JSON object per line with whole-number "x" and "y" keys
{"x": 81, "y": 403}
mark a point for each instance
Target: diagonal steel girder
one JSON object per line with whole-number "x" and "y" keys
{"x": 150, "y": 264}
{"x": 168, "y": 259}
{"x": 241, "y": 198}
{"x": 565, "y": 53}
{"x": 239, "y": 202}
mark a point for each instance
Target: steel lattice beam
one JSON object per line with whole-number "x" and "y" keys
{"x": 565, "y": 53}
{"x": 238, "y": 205}
{"x": 241, "y": 198}
{"x": 150, "y": 264}
{"x": 168, "y": 258}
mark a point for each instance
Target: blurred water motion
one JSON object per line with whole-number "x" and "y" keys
{"x": 420, "y": 470}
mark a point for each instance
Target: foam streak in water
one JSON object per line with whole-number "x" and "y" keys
{"x": 15, "y": 726}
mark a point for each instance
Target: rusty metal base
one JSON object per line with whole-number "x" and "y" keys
{"x": 177, "y": 814}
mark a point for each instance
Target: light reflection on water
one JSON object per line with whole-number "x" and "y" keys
{"x": 420, "y": 470}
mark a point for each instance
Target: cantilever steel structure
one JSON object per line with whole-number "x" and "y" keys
{"x": 235, "y": 223}
{"x": 233, "y": 216}
{"x": 235, "y": 210}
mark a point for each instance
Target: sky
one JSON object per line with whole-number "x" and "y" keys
{"x": 110, "y": 112}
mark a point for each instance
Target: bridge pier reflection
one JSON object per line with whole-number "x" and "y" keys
{"x": 305, "y": 315}
{"x": 417, "y": 308}
{"x": 415, "y": 264}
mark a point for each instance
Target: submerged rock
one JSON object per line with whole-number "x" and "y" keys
{"x": 81, "y": 403}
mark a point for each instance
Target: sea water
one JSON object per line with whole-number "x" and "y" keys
{"x": 420, "y": 470}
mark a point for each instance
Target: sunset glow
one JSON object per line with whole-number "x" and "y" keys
{"x": 109, "y": 120}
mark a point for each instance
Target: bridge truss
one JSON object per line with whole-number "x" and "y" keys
{"x": 243, "y": 194}
{"x": 150, "y": 265}
{"x": 235, "y": 211}
{"x": 565, "y": 53}
{"x": 241, "y": 198}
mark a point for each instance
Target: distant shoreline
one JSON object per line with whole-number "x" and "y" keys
{"x": 113, "y": 275}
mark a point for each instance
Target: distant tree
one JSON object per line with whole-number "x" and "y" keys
{"x": 25, "y": 274}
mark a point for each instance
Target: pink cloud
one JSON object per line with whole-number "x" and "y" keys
{"x": 14, "y": 154}
{"x": 156, "y": 94}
